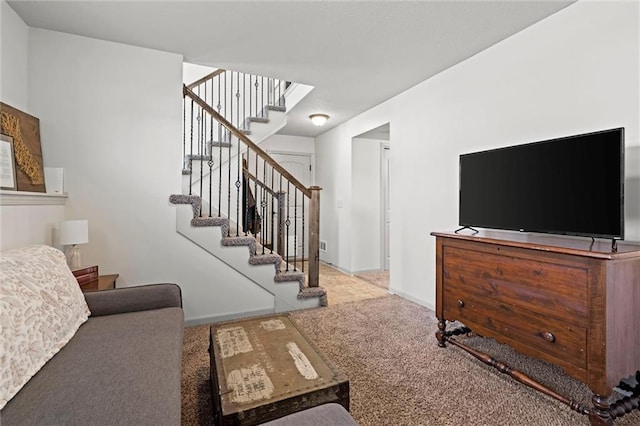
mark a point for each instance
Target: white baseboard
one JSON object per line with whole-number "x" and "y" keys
{"x": 367, "y": 271}
{"x": 331, "y": 265}
{"x": 226, "y": 317}
{"x": 412, "y": 299}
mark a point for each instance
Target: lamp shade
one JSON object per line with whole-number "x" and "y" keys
{"x": 74, "y": 232}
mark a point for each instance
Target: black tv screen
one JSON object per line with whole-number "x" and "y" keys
{"x": 572, "y": 185}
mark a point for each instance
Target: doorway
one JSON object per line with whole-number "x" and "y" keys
{"x": 370, "y": 201}
{"x": 299, "y": 165}
{"x": 385, "y": 204}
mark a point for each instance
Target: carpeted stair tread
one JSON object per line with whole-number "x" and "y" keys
{"x": 264, "y": 118}
{"x": 277, "y": 108}
{"x": 198, "y": 157}
{"x": 265, "y": 259}
{"x": 257, "y": 120}
{"x": 290, "y": 276}
{"x": 311, "y": 292}
{"x": 194, "y": 200}
{"x": 209, "y": 221}
{"x": 238, "y": 241}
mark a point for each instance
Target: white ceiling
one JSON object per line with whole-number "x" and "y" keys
{"x": 357, "y": 54}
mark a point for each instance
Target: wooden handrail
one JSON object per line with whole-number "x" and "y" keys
{"x": 205, "y": 78}
{"x": 237, "y": 133}
{"x": 248, "y": 175}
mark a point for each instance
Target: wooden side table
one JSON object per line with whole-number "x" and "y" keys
{"x": 104, "y": 282}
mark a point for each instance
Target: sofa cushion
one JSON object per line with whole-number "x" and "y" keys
{"x": 118, "y": 369}
{"x": 41, "y": 307}
{"x": 328, "y": 414}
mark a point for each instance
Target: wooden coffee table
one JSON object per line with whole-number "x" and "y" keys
{"x": 264, "y": 368}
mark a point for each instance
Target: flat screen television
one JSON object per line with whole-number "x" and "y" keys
{"x": 571, "y": 185}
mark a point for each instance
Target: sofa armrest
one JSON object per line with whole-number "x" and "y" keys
{"x": 133, "y": 299}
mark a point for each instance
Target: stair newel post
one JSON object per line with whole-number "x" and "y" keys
{"x": 295, "y": 228}
{"x": 314, "y": 236}
{"x": 273, "y": 211}
{"x": 303, "y": 232}
{"x": 280, "y": 250}
{"x": 264, "y": 204}
{"x": 287, "y": 224}
{"x": 257, "y": 206}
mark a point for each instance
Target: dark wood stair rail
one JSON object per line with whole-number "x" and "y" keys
{"x": 313, "y": 192}
{"x": 207, "y": 77}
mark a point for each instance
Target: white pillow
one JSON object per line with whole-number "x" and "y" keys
{"x": 41, "y": 308}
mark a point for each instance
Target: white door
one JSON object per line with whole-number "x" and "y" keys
{"x": 386, "y": 206}
{"x": 299, "y": 165}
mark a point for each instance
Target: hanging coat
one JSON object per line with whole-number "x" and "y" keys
{"x": 251, "y": 220}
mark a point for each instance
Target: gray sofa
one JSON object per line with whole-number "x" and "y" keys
{"x": 123, "y": 365}
{"x": 328, "y": 414}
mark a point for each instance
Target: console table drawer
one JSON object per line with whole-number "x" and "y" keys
{"x": 548, "y": 338}
{"x": 519, "y": 282}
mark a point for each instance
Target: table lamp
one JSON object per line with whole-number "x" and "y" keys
{"x": 72, "y": 233}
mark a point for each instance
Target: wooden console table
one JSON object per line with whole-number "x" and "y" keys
{"x": 568, "y": 301}
{"x": 104, "y": 282}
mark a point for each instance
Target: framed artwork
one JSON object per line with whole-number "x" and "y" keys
{"x": 7, "y": 164}
{"x": 24, "y": 129}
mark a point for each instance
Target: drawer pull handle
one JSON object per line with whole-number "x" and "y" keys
{"x": 549, "y": 337}
{"x": 460, "y": 304}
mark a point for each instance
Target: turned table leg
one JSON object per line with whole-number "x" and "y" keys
{"x": 600, "y": 414}
{"x": 440, "y": 334}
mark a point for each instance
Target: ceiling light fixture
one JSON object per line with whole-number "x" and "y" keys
{"x": 319, "y": 119}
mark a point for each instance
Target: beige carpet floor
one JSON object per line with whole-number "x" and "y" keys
{"x": 398, "y": 375}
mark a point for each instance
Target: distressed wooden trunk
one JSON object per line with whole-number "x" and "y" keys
{"x": 264, "y": 368}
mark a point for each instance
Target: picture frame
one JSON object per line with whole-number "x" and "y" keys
{"x": 8, "y": 178}
{"x": 27, "y": 151}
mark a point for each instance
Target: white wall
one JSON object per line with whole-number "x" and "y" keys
{"x": 333, "y": 174}
{"x": 15, "y": 36}
{"x": 193, "y": 72}
{"x": 365, "y": 205}
{"x": 288, "y": 143}
{"x": 574, "y": 72}
{"x": 111, "y": 116}
{"x": 20, "y": 225}
{"x": 23, "y": 225}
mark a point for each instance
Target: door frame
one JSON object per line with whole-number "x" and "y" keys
{"x": 384, "y": 146}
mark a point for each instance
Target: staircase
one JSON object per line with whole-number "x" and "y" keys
{"x": 239, "y": 204}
